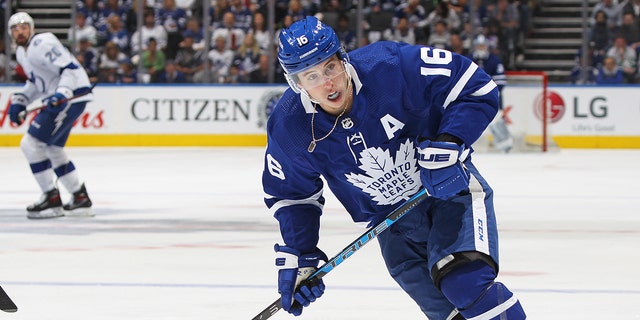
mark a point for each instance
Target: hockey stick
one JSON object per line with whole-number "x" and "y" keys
{"x": 6, "y": 304}
{"x": 23, "y": 114}
{"x": 354, "y": 246}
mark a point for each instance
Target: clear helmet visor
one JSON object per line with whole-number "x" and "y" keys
{"x": 331, "y": 69}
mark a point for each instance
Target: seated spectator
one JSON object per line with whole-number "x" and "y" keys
{"x": 189, "y": 60}
{"x": 440, "y": 36}
{"x": 600, "y": 39}
{"x": 260, "y": 30}
{"x": 174, "y": 21}
{"x": 456, "y": 45}
{"x": 148, "y": 30}
{"x": 346, "y": 35}
{"x": 612, "y": 8}
{"x": 261, "y": 74}
{"x": 630, "y": 30}
{"x": 508, "y": 17}
{"x": 109, "y": 63}
{"x": 234, "y": 75}
{"x": 91, "y": 10}
{"x": 416, "y": 16}
{"x": 88, "y": 57}
{"x": 625, "y": 58}
{"x": 242, "y": 14}
{"x": 221, "y": 59}
{"x": 609, "y": 73}
{"x": 152, "y": 59}
{"x": 115, "y": 32}
{"x": 170, "y": 74}
{"x": 81, "y": 30}
{"x": 248, "y": 54}
{"x": 401, "y": 32}
{"x": 233, "y": 36}
{"x": 127, "y": 72}
{"x": 194, "y": 29}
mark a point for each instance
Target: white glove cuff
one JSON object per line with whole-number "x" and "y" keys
{"x": 286, "y": 260}
{"x": 19, "y": 98}
{"x": 66, "y": 92}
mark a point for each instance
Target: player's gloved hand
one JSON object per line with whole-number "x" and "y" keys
{"x": 442, "y": 170}
{"x": 18, "y": 109}
{"x": 293, "y": 268}
{"x": 58, "y": 101}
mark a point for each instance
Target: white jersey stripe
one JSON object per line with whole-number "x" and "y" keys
{"x": 462, "y": 82}
{"x": 313, "y": 200}
{"x": 497, "y": 310}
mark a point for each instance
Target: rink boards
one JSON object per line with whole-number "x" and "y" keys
{"x": 224, "y": 115}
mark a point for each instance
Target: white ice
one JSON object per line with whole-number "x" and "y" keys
{"x": 182, "y": 233}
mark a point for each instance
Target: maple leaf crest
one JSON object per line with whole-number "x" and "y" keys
{"x": 386, "y": 180}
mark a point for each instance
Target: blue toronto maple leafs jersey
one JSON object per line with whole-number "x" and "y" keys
{"x": 401, "y": 92}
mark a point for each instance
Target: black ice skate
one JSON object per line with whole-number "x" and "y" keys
{"x": 49, "y": 206}
{"x": 80, "y": 204}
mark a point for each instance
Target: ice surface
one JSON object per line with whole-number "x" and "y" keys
{"x": 182, "y": 233}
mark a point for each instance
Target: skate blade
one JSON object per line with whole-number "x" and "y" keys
{"x": 46, "y": 214}
{"x": 80, "y": 213}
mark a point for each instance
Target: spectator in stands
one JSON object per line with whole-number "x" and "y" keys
{"x": 630, "y": 30}
{"x": 444, "y": 12}
{"x": 81, "y": 30}
{"x": 440, "y": 36}
{"x": 600, "y": 39}
{"x": 261, "y": 74}
{"x": 456, "y": 45}
{"x": 111, "y": 7}
{"x": 91, "y": 11}
{"x": 152, "y": 59}
{"x": 217, "y": 14}
{"x": 625, "y": 58}
{"x": 190, "y": 60}
{"x": 609, "y": 73}
{"x": 170, "y": 74}
{"x": 509, "y": 18}
{"x": 416, "y": 18}
{"x": 109, "y": 63}
{"x": 115, "y": 32}
{"x": 633, "y": 7}
{"x": 346, "y": 35}
{"x": 88, "y": 56}
{"x": 233, "y": 36}
{"x": 127, "y": 72}
{"x": 234, "y": 75}
{"x": 174, "y": 21}
{"x": 248, "y": 54}
{"x": 401, "y": 32}
{"x": 296, "y": 11}
{"x": 260, "y": 30}
{"x": 613, "y": 11}
{"x": 194, "y": 27}
{"x": 131, "y": 15}
{"x": 242, "y": 15}
{"x": 220, "y": 58}
{"x": 576, "y": 76}
{"x": 150, "y": 29}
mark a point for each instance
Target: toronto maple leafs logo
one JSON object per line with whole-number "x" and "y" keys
{"x": 386, "y": 180}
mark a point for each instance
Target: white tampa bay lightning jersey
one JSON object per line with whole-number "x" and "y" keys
{"x": 49, "y": 65}
{"x": 401, "y": 93}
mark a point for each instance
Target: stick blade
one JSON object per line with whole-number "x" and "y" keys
{"x": 6, "y": 304}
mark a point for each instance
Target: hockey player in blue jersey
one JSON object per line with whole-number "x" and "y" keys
{"x": 492, "y": 65}
{"x": 378, "y": 125}
{"x": 54, "y": 76}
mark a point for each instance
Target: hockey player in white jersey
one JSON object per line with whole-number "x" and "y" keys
{"x": 379, "y": 124}
{"x": 55, "y": 77}
{"x": 492, "y": 65}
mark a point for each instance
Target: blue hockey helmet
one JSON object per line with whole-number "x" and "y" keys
{"x": 306, "y": 43}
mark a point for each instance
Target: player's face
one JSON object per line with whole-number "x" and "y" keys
{"x": 21, "y": 33}
{"x": 327, "y": 83}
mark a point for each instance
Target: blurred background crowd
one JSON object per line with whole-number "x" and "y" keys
{"x": 230, "y": 41}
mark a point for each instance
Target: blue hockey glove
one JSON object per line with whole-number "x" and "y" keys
{"x": 293, "y": 268}
{"x": 442, "y": 171}
{"x": 18, "y": 108}
{"x": 57, "y": 101}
